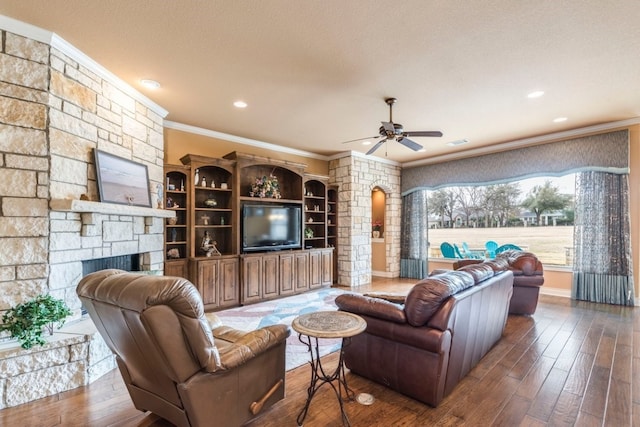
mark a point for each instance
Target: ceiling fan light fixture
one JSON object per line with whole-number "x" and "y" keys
{"x": 240, "y": 104}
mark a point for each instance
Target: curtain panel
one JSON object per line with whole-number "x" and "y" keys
{"x": 608, "y": 152}
{"x": 602, "y": 266}
{"x": 414, "y": 245}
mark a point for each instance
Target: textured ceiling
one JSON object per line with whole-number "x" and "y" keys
{"x": 315, "y": 73}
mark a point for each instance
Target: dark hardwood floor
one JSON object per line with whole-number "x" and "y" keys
{"x": 572, "y": 363}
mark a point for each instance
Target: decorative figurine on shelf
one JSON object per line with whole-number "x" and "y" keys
{"x": 174, "y": 234}
{"x": 196, "y": 179}
{"x": 213, "y": 184}
{"x": 205, "y": 219}
{"x": 208, "y": 245}
{"x": 182, "y": 185}
{"x": 204, "y": 181}
{"x": 169, "y": 202}
{"x": 173, "y": 253}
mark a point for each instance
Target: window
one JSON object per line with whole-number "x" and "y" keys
{"x": 535, "y": 214}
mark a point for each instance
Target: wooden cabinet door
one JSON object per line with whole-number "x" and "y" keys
{"x": 287, "y": 274}
{"x": 228, "y": 282}
{"x": 327, "y": 267}
{"x": 251, "y": 279}
{"x": 301, "y": 272}
{"x": 270, "y": 276}
{"x": 176, "y": 268}
{"x": 315, "y": 270}
{"x": 208, "y": 282}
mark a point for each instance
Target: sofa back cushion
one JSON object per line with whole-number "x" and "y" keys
{"x": 426, "y": 296}
{"x": 480, "y": 272}
{"x": 498, "y": 264}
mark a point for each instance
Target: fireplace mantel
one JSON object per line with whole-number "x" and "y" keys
{"x": 85, "y": 206}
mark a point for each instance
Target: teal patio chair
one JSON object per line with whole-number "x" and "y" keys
{"x": 447, "y": 250}
{"x": 491, "y": 247}
{"x": 506, "y": 247}
{"x": 456, "y": 249}
{"x": 468, "y": 253}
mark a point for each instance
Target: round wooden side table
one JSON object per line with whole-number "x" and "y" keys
{"x": 327, "y": 324}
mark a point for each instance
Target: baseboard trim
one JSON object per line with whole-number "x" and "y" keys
{"x": 386, "y": 274}
{"x": 556, "y": 292}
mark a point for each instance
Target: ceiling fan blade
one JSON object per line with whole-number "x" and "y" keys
{"x": 410, "y": 144}
{"x": 361, "y": 139}
{"x": 375, "y": 147}
{"x": 388, "y": 126}
{"x": 436, "y": 133}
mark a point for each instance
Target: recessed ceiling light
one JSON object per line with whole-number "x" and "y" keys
{"x": 535, "y": 94}
{"x": 240, "y": 104}
{"x": 150, "y": 84}
{"x": 366, "y": 143}
{"x": 559, "y": 119}
{"x": 458, "y": 142}
{"x": 422, "y": 150}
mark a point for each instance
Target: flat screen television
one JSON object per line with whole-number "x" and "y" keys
{"x": 267, "y": 227}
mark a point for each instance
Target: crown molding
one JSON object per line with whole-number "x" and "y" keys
{"x": 526, "y": 142}
{"x": 363, "y": 156}
{"x": 241, "y": 140}
{"x": 269, "y": 146}
{"x": 52, "y": 39}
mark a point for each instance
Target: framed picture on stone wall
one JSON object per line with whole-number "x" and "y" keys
{"x": 121, "y": 180}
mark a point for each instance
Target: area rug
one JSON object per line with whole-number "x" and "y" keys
{"x": 283, "y": 311}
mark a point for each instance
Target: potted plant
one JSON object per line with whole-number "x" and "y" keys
{"x": 308, "y": 233}
{"x": 26, "y": 321}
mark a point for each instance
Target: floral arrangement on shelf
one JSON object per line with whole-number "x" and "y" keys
{"x": 376, "y": 225}
{"x": 267, "y": 186}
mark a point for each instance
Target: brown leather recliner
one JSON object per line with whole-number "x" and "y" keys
{"x": 168, "y": 357}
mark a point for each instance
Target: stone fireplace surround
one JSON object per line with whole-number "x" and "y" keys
{"x": 56, "y": 106}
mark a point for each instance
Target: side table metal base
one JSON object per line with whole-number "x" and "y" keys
{"x": 319, "y": 377}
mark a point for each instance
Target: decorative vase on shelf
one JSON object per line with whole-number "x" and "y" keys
{"x": 211, "y": 202}
{"x": 375, "y": 234}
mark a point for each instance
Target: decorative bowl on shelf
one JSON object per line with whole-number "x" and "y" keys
{"x": 172, "y": 220}
{"x": 211, "y": 203}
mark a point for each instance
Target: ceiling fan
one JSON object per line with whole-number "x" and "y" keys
{"x": 390, "y": 130}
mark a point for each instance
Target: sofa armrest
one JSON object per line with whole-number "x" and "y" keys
{"x": 374, "y": 307}
{"x": 247, "y": 345}
{"x": 391, "y": 297}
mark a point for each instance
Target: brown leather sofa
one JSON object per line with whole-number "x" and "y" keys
{"x": 528, "y": 277}
{"x": 172, "y": 362}
{"x": 425, "y": 345}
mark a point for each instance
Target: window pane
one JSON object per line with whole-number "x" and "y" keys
{"x": 535, "y": 214}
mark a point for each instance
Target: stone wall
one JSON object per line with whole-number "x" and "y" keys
{"x": 56, "y": 107}
{"x": 356, "y": 176}
{"x": 53, "y": 112}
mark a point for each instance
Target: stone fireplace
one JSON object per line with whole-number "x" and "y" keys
{"x": 56, "y": 107}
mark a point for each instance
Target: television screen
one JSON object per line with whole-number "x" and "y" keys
{"x": 271, "y": 227}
